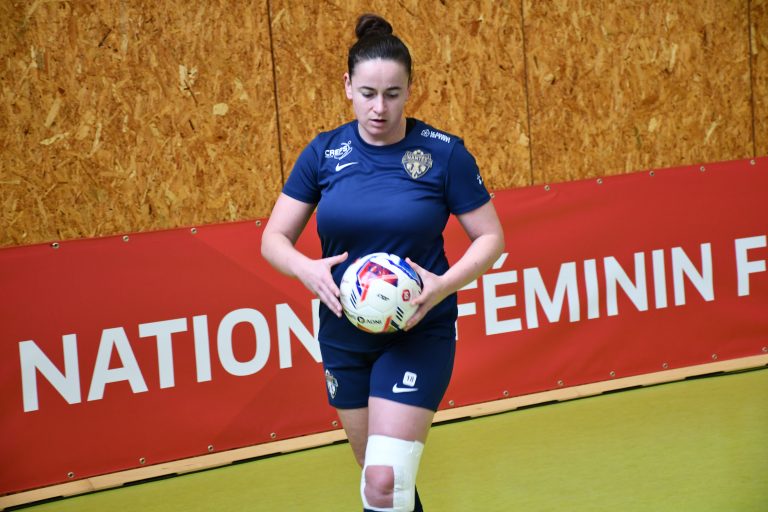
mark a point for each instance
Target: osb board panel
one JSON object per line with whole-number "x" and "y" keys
{"x": 468, "y": 74}
{"x": 759, "y": 45}
{"x": 133, "y": 116}
{"x": 644, "y": 85}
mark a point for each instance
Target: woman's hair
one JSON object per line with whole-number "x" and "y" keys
{"x": 375, "y": 40}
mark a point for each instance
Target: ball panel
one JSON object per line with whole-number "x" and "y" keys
{"x": 376, "y": 292}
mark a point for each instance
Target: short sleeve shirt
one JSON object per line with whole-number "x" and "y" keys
{"x": 395, "y": 198}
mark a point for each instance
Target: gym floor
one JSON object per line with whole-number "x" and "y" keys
{"x": 696, "y": 445}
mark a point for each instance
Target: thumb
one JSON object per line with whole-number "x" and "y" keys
{"x": 335, "y": 260}
{"x": 419, "y": 270}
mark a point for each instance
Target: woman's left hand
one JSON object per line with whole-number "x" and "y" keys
{"x": 432, "y": 293}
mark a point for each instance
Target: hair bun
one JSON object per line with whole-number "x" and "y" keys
{"x": 372, "y": 24}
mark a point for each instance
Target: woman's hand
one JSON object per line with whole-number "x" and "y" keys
{"x": 316, "y": 276}
{"x": 484, "y": 229}
{"x": 432, "y": 293}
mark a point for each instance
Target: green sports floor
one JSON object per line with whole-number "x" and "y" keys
{"x": 693, "y": 446}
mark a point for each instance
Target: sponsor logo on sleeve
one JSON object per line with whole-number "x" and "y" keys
{"x": 432, "y": 134}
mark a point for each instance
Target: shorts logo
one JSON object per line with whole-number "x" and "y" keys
{"x": 332, "y": 383}
{"x": 409, "y": 379}
{"x": 340, "y": 152}
{"x": 417, "y": 163}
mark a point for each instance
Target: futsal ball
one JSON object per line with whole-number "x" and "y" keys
{"x": 377, "y": 292}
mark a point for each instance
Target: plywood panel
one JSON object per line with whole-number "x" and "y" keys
{"x": 759, "y": 47}
{"x": 132, "y": 116}
{"x": 636, "y": 85}
{"x": 468, "y": 74}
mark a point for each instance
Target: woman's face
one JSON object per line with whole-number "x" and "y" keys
{"x": 378, "y": 90}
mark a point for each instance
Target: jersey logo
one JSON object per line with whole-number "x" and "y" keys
{"x": 340, "y": 166}
{"x": 340, "y": 152}
{"x": 432, "y": 134}
{"x": 417, "y": 163}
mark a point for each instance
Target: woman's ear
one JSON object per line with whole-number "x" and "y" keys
{"x": 348, "y": 85}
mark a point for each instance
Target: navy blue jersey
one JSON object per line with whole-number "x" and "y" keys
{"x": 395, "y": 198}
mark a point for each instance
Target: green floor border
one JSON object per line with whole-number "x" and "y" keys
{"x": 695, "y": 445}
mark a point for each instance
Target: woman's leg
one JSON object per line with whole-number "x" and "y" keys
{"x": 355, "y": 423}
{"x": 397, "y": 434}
{"x": 407, "y": 383}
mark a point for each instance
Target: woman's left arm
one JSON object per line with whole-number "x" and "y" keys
{"x": 484, "y": 229}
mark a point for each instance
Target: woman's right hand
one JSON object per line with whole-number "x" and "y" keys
{"x": 316, "y": 276}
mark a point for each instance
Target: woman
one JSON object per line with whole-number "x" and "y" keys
{"x": 385, "y": 183}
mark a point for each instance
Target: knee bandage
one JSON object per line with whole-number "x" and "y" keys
{"x": 403, "y": 457}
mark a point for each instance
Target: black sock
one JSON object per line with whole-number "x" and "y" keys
{"x": 418, "y": 507}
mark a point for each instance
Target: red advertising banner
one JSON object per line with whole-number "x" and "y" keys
{"x": 128, "y": 351}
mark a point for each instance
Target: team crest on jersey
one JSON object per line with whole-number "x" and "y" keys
{"x": 417, "y": 163}
{"x": 332, "y": 383}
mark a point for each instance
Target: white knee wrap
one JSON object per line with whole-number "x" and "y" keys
{"x": 403, "y": 457}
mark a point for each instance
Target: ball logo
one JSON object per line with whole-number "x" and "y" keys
{"x": 377, "y": 292}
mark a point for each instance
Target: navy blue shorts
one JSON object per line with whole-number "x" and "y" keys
{"x": 414, "y": 369}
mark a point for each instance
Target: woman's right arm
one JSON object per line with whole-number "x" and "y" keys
{"x": 288, "y": 219}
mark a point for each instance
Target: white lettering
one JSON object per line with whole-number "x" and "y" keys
{"x": 163, "y": 331}
{"x": 744, "y": 266}
{"x": 287, "y": 323}
{"x": 536, "y": 292}
{"x": 682, "y": 265}
{"x": 202, "y": 348}
{"x": 34, "y": 360}
{"x": 492, "y": 303}
{"x": 593, "y": 289}
{"x": 115, "y": 360}
{"x": 226, "y": 350}
{"x": 636, "y": 291}
{"x": 103, "y": 374}
{"x": 659, "y": 279}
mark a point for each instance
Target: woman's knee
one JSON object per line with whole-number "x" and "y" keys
{"x": 389, "y": 476}
{"x": 379, "y": 485}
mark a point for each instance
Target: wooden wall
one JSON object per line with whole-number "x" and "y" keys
{"x": 132, "y": 115}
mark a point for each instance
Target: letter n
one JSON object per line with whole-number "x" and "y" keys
{"x": 34, "y": 360}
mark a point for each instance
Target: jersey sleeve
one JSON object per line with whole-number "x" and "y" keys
{"x": 464, "y": 187}
{"x": 302, "y": 184}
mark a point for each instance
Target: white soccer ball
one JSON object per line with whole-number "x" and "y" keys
{"x": 377, "y": 292}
